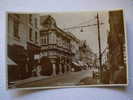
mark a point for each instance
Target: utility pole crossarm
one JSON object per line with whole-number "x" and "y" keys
{"x": 74, "y": 27}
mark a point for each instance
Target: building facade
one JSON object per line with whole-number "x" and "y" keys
{"x": 33, "y": 43}
{"x": 75, "y": 44}
{"x": 55, "y": 47}
{"x": 35, "y": 40}
{"x": 116, "y": 44}
{"x": 23, "y": 45}
{"x": 86, "y": 54}
{"x": 17, "y": 45}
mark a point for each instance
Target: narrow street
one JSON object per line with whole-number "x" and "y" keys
{"x": 67, "y": 79}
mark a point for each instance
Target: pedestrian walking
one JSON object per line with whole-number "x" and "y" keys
{"x": 34, "y": 72}
{"x": 38, "y": 69}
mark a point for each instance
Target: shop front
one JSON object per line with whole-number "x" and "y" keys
{"x": 18, "y": 54}
{"x": 32, "y": 51}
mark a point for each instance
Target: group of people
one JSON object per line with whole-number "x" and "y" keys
{"x": 37, "y": 70}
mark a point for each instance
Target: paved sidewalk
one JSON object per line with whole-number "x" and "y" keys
{"x": 33, "y": 79}
{"x": 89, "y": 81}
{"x": 28, "y": 80}
{"x": 69, "y": 78}
{"x": 66, "y": 79}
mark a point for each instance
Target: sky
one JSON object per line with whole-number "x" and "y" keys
{"x": 90, "y": 34}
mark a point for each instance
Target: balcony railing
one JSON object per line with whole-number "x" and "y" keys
{"x": 56, "y": 47}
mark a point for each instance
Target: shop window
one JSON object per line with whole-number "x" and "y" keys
{"x": 35, "y": 22}
{"x": 16, "y": 29}
{"x": 30, "y": 18}
{"x": 45, "y": 40}
{"x": 30, "y": 35}
{"x": 41, "y": 40}
{"x": 36, "y": 37}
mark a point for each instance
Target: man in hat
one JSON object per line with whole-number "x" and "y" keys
{"x": 38, "y": 69}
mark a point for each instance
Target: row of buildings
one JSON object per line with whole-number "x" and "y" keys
{"x": 35, "y": 39}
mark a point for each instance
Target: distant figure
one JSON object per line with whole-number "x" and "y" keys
{"x": 38, "y": 70}
{"x": 34, "y": 72}
{"x": 72, "y": 69}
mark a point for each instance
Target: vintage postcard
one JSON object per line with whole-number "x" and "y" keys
{"x": 68, "y": 49}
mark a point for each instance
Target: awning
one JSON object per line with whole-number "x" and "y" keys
{"x": 86, "y": 65}
{"x": 81, "y": 63}
{"x": 10, "y": 62}
{"x": 75, "y": 63}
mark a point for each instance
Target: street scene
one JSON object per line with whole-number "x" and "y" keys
{"x": 66, "y": 49}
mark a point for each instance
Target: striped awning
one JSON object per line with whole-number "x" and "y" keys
{"x": 10, "y": 62}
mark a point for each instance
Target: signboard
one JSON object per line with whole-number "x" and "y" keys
{"x": 36, "y": 57}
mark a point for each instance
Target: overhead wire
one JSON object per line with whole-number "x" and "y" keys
{"x": 80, "y": 25}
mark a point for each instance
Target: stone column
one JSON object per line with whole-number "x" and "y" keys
{"x": 65, "y": 65}
{"x": 65, "y": 68}
{"x": 69, "y": 67}
{"x": 53, "y": 67}
{"x": 60, "y": 69}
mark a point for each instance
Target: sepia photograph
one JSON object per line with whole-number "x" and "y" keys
{"x": 66, "y": 49}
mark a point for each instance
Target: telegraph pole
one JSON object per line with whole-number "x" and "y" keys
{"x": 99, "y": 43}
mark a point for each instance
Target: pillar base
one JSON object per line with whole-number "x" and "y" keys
{"x": 53, "y": 67}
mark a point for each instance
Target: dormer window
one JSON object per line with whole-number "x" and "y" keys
{"x": 30, "y": 18}
{"x": 16, "y": 27}
{"x": 36, "y": 37}
{"x": 35, "y": 22}
{"x": 30, "y": 34}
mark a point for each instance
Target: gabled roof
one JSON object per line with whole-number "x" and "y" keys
{"x": 43, "y": 19}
